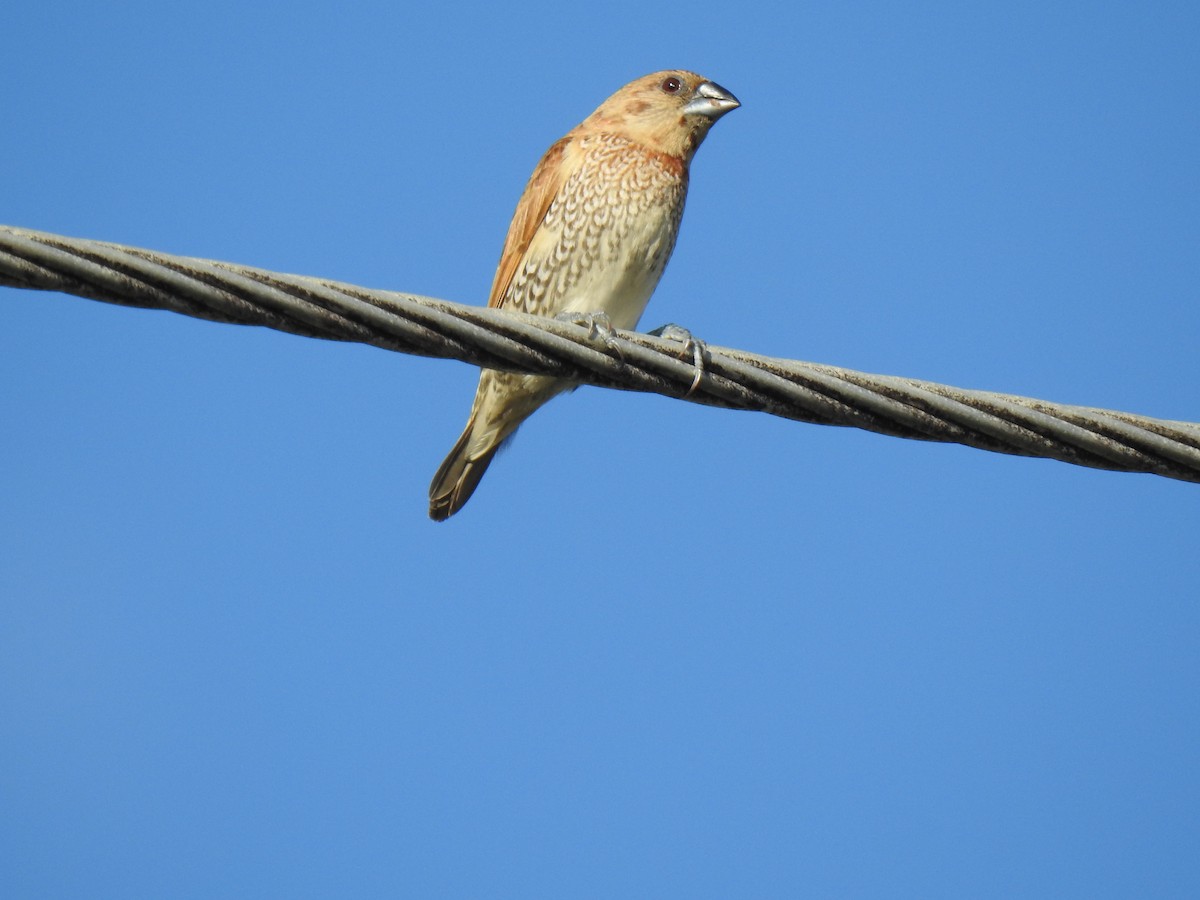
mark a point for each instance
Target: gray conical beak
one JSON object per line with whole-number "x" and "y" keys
{"x": 711, "y": 100}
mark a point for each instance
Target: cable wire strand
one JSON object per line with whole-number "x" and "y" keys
{"x": 501, "y": 339}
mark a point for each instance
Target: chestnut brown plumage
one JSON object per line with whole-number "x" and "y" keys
{"x": 591, "y": 234}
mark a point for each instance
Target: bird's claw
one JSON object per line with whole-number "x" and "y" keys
{"x": 692, "y": 346}
{"x": 600, "y": 329}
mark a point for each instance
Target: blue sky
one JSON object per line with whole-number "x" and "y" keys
{"x": 666, "y": 650}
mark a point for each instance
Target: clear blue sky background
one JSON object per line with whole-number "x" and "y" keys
{"x": 667, "y": 650}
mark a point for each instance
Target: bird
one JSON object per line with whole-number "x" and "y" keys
{"x": 589, "y": 239}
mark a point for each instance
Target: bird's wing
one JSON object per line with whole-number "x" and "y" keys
{"x": 544, "y": 184}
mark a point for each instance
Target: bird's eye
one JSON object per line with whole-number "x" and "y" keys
{"x": 671, "y": 85}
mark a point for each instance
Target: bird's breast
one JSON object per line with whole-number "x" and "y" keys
{"x": 607, "y": 235}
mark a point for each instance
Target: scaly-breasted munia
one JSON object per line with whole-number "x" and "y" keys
{"x": 591, "y": 234}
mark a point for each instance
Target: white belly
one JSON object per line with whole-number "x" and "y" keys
{"x": 631, "y": 259}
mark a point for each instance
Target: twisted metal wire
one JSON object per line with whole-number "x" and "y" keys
{"x": 806, "y": 392}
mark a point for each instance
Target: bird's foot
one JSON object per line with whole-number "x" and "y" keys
{"x": 692, "y": 346}
{"x": 600, "y": 329}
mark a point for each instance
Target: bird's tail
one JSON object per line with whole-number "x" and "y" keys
{"x": 459, "y": 474}
{"x": 502, "y": 402}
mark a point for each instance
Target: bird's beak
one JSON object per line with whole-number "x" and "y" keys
{"x": 711, "y": 100}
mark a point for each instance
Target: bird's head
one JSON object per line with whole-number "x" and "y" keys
{"x": 669, "y": 112}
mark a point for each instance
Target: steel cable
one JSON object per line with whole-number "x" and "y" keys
{"x": 807, "y": 392}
